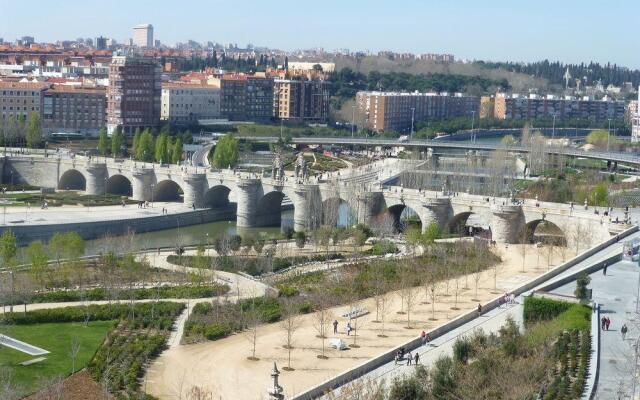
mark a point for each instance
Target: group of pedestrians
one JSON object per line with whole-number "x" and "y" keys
{"x": 348, "y": 328}
{"x": 401, "y": 354}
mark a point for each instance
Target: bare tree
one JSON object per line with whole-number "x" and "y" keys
{"x": 199, "y": 393}
{"x": 290, "y": 323}
{"x": 53, "y": 389}
{"x": 252, "y": 321}
{"x": 456, "y": 293}
{"x": 434, "y": 286}
{"x": 322, "y": 319}
{"x": 383, "y": 309}
{"x": 477, "y": 275}
{"x": 75, "y": 348}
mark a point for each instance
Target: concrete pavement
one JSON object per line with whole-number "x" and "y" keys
{"x": 493, "y": 320}
{"x": 616, "y": 293}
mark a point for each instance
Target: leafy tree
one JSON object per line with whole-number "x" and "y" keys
{"x": 136, "y": 141}
{"x": 34, "y": 131}
{"x": 104, "y": 143}
{"x": 508, "y": 141}
{"x": 37, "y": 256}
{"x": 145, "y": 150}
{"x": 582, "y": 282}
{"x": 598, "y": 138}
{"x": 116, "y": 142}
{"x": 8, "y": 247}
{"x": 431, "y": 233}
{"x": 226, "y": 152}
{"x": 600, "y": 195}
{"x": 162, "y": 148}
{"x": 66, "y": 245}
{"x": 176, "y": 151}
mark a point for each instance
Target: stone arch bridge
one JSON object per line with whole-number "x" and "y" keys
{"x": 259, "y": 199}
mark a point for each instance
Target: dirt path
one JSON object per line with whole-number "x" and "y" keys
{"x": 223, "y": 368}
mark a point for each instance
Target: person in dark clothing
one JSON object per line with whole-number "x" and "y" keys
{"x": 417, "y": 357}
{"x": 335, "y": 326}
{"x": 479, "y": 309}
{"x": 604, "y": 269}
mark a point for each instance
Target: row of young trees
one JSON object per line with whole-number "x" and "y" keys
{"x": 22, "y": 131}
{"x": 146, "y": 147}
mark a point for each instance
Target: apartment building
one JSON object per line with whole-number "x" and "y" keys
{"x": 134, "y": 93}
{"x": 635, "y": 121}
{"x": 19, "y": 99}
{"x": 533, "y": 106}
{"x": 186, "y": 103}
{"x": 302, "y": 100}
{"x": 143, "y": 35}
{"x": 394, "y": 111}
{"x": 246, "y": 97}
{"x": 68, "y": 108}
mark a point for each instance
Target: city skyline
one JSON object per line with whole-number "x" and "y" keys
{"x": 570, "y": 31}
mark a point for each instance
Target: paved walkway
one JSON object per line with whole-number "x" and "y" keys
{"x": 494, "y": 319}
{"x": 616, "y": 293}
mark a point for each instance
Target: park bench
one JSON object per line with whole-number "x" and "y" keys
{"x": 355, "y": 312}
{"x": 33, "y": 361}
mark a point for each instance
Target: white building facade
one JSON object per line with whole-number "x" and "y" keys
{"x": 183, "y": 104}
{"x": 635, "y": 122}
{"x": 143, "y": 35}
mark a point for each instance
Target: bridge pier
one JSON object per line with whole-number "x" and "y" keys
{"x": 141, "y": 185}
{"x": 247, "y": 199}
{"x": 95, "y": 179}
{"x": 437, "y": 210}
{"x": 194, "y": 189}
{"x": 368, "y": 206}
{"x": 307, "y": 213}
{"x": 507, "y": 222}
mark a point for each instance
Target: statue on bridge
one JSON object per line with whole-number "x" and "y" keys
{"x": 277, "y": 170}
{"x": 301, "y": 169}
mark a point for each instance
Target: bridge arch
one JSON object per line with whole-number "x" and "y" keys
{"x": 167, "y": 190}
{"x": 217, "y": 196}
{"x": 545, "y": 231}
{"x": 72, "y": 179}
{"x": 404, "y": 217}
{"x": 338, "y": 212}
{"x": 269, "y": 208}
{"x": 119, "y": 184}
{"x": 459, "y": 224}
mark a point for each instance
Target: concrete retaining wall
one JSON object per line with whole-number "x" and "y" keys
{"x": 594, "y": 361}
{"x": 96, "y": 229}
{"x": 372, "y": 364}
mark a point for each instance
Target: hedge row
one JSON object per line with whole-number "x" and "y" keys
{"x": 165, "y": 292}
{"x": 249, "y": 265}
{"x": 152, "y": 314}
{"x": 540, "y": 309}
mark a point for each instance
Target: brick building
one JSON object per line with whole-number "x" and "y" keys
{"x": 19, "y": 99}
{"x": 538, "y": 107}
{"x": 74, "y": 109}
{"x": 134, "y": 93}
{"x": 393, "y": 111}
{"x": 300, "y": 99}
{"x": 246, "y": 97}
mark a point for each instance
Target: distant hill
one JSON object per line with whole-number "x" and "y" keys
{"x": 519, "y": 82}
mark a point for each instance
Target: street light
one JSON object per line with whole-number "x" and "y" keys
{"x": 473, "y": 119}
{"x": 553, "y": 128}
{"x": 353, "y": 119}
{"x": 413, "y": 114}
{"x": 608, "y": 134}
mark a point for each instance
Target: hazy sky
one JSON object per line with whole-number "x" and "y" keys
{"x": 519, "y": 30}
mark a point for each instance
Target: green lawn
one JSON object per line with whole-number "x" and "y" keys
{"x": 57, "y": 339}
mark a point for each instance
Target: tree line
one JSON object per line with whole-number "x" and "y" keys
{"x": 21, "y": 130}
{"x": 147, "y": 147}
{"x": 554, "y": 71}
{"x": 347, "y": 82}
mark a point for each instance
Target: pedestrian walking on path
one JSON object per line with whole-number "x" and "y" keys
{"x": 604, "y": 269}
{"x": 607, "y": 322}
{"x": 417, "y": 358}
{"x": 623, "y": 330}
{"x": 335, "y": 326}
{"x": 423, "y": 336}
{"x": 479, "y": 309}
{"x": 409, "y": 358}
